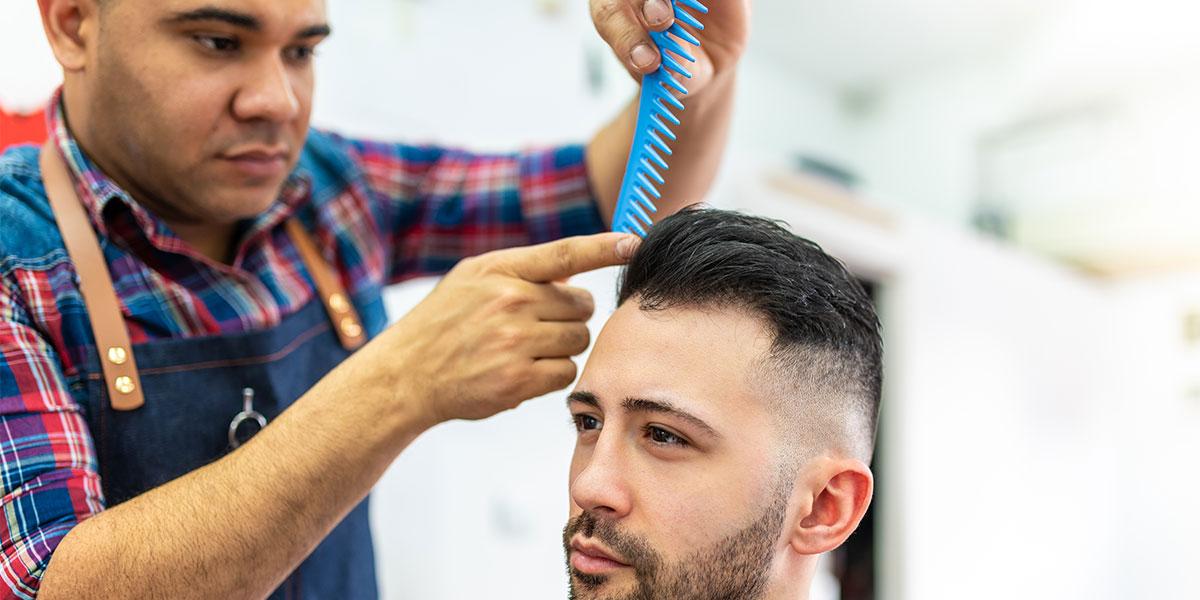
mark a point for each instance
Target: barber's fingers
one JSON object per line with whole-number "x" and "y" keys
{"x": 560, "y": 302}
{"x": 625, "y": 24}
{"x": 558, "y": 340}
{"x": 561, "y": 259}
{"x": 540, "y": 301}
{"x": 550, "y": 375}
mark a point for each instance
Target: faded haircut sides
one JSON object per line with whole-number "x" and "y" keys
{"x": 825, "y": 366}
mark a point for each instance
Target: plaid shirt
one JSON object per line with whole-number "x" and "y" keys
{"x": 389, "y": 212}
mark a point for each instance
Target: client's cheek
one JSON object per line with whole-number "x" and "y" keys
{"x": 686, "y": 526}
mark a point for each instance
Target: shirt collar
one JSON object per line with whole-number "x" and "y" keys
{"x": 95, "y": 189}
{"x": 105, "y": 201}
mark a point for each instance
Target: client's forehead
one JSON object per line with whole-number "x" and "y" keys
{"x": 704, "y": 358}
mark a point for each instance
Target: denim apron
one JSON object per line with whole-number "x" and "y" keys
{"x": 194, "y": 388}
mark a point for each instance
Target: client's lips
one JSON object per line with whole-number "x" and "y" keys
{"x": 590, "y": 557}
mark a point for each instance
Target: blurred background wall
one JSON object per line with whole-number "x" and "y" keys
{"x": 1014, "y": 177}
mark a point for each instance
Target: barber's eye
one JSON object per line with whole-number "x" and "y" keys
{"x": 663, "y": 437}
{"x": 301, "y": 53}
{"x": 217, "y": 43}
{"x": 586, "y": 423}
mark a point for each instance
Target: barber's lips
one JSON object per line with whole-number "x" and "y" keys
{"x": 587, "y": 557}
{"x": 264, "y": 163}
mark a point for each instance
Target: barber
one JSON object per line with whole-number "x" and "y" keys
{"x": 198, "y": 387}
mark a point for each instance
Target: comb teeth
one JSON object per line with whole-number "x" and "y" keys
{"x": 644, "y": 171}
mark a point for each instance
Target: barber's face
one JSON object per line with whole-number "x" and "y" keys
{"x": 201, "y": 107}
{"x": 676, "y": 485}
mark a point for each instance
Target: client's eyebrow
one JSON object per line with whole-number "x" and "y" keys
{"x": 587, "y": 398}
{"x": 664, "y": 407}
{"x": 645, "y": 405}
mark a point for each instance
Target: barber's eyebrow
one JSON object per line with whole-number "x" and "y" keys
{"x": 315, "y": 31}
{"x": 239, "y": 19}
{"x": 212, "y": 13}
{"x": 646, "y": 405}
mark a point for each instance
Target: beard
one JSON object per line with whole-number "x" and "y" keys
{"x": 734, "y": 568}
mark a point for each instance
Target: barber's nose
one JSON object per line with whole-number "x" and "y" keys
{"x": 601, "y": 487}
{"x": 269, "y": 95}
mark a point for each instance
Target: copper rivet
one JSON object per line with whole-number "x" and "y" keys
{"x": 123, "y": 384}
{"x": 338, "y": 302}
{"x": 350, "y": 327}
{"x": 117, "y": 355}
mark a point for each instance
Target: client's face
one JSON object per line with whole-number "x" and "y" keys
{"x": 676, "y": 486}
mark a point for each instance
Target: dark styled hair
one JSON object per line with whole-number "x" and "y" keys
{"x": 826, "y": 357}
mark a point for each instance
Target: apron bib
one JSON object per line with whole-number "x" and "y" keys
{"x": 193, "y": 390}
{"x": 161, "y": 409}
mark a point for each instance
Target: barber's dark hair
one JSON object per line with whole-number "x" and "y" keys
{"x": 825, "y": 326}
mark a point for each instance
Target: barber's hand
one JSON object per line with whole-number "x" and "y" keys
{"x": 625, "y": 24}
{"x": 500, "y": 328}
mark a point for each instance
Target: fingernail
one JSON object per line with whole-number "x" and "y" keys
{"x": 657, "y": 12}
{"x": 643, "y": 56}
{"x": 627, "y": 246}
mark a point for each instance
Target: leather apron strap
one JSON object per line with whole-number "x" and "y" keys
{"x": 346, "y": 322}
{"x": 108, "y": 326}
{"x": 104, "y": 309}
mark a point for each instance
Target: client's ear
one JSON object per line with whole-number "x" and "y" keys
{"x": 835, "y": 493}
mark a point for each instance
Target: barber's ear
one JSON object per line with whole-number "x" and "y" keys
{"x": 834, "y": 495}
{"x": 70, "y": 26}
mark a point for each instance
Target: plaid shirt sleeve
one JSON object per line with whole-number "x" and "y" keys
{"x": 443, "y": 205}
{"x": 48, "y": 481}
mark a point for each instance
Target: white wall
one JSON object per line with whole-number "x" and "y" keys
{"x": 25, "y": 84}
{"x": 1157, "y": 373}
{"x": 997, "y": 408}
{"x": 1097, "y": 105}
{"x": 486, "y": 75}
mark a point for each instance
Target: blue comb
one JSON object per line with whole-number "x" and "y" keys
{"x": 639, "y": 190}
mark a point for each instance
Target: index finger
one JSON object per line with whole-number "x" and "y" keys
{"x": 556, "y": 260}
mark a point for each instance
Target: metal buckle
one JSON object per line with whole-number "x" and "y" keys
{"x": 248, "y": 414}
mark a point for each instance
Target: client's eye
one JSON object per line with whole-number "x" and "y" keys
{"x": 585, "y": 423}
{"x": 663, "y": 437}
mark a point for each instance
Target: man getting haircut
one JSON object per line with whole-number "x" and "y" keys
{"x": 726, "y": 417}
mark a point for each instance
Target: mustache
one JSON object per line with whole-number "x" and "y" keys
{"x": 634, "y": 550}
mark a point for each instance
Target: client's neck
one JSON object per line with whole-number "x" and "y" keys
{"x": 792, "y": 578}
